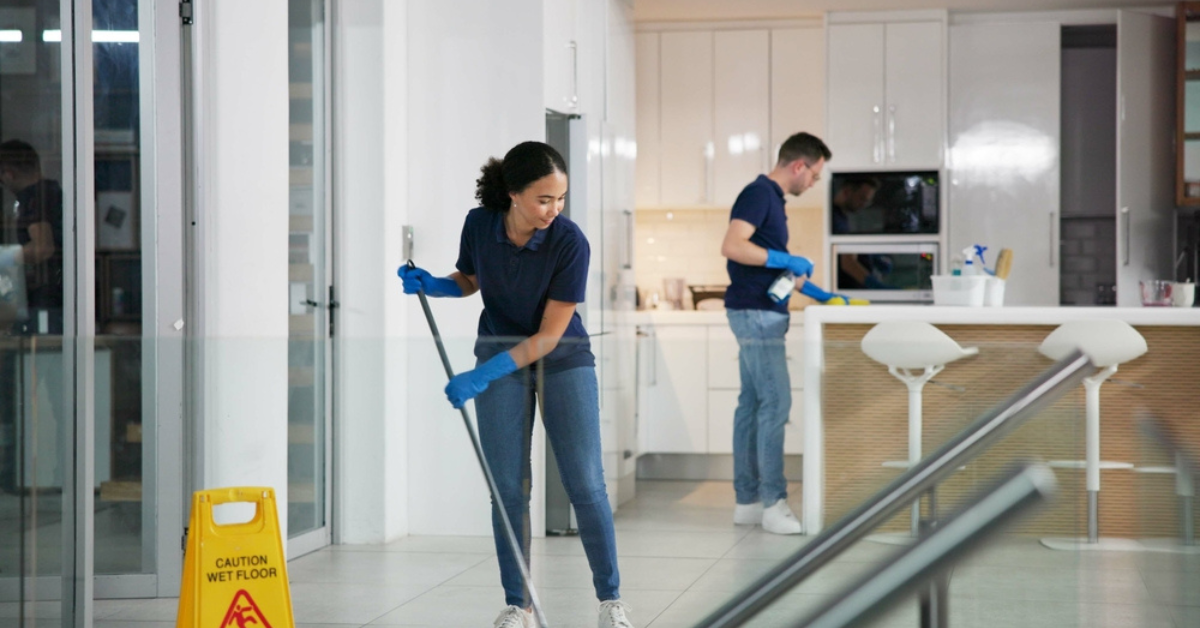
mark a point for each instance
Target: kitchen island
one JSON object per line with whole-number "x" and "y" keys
{"x": 855, "y": 412}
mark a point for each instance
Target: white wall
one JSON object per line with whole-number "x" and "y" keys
{"x": 371, "y": 184}
{"x": 243, "y": 74}
{"x": 474, "y": 90}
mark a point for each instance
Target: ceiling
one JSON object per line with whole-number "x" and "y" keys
{"x": 694, "y": 10}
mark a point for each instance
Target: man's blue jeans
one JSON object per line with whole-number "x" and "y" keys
{"x": 571, "y": 415}
{"x": 763, "y": 406}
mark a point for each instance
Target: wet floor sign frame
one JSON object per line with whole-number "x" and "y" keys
{"x": 235, "y": 576}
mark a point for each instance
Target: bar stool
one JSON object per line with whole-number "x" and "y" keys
{"x": 904, "y": 347}
{"x": 1185, "y": 490}
{"x": 1107, "y": 343}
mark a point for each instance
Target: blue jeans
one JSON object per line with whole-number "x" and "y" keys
{"x": 571, "y": 415}
{"x": 763, "y": 406}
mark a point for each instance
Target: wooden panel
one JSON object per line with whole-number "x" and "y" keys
{"x": 866, "y": 424}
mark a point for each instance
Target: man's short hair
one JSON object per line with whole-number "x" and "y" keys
{"x": 804, "y": 146}
{"x": 19, "y": 155}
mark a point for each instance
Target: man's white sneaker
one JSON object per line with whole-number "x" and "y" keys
{"x": 779, "y": 519}
{"x": 515, "y": 617}
{"x": 613, "y": 614}
{"x": 748, "y": 514}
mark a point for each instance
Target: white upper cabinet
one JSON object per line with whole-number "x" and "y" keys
{"x": 560, "y": 58}
{"x": 742, "y": 111}
{"x": 886, "y": 94}
{"x": 649, "y": 146}
{"x": 915, "y": 86}
{"x": 797, "y": 93}
{"x": 856, "y": 95}
{"x": 686, "y": 123}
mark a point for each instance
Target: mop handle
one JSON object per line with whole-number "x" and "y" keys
{"x": 487, "y": 470}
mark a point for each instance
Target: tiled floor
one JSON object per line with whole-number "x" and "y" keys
{"x": 680, "y": 558}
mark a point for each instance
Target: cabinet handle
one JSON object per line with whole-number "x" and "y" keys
{"x": 1125, "y": 218}
{"x": 708, "y": 183}
{"x": 891, "y": 134}
{"x": 628, "y": 240}
{"x": 1053, "y": 238}
{"x": 573, "y": 100}
{"x": 876, "y": 148}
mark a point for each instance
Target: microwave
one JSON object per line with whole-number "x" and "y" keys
{"x": 896, "y": 273}
{"x": 884, "y": 203}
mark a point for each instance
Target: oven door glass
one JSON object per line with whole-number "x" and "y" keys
{"x": 884, "y": 203}
{"x": 880, "y": 272}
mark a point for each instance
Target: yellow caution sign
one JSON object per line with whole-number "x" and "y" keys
{"x": 234, "y": 576}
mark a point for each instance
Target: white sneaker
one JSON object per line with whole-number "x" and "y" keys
{"x": 748, "y": 514}
{"x": 515, "y": 617}
{"x": 612, "y": 614}
{"x": 779, "y": 519}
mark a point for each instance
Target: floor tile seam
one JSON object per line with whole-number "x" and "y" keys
{"x": 428, "y": 591}
{"x": 484, "y": 559}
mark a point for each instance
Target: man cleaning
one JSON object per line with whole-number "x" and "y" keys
{"x": 756, "y": 246}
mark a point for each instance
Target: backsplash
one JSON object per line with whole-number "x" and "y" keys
{"x": 687, "y": 244}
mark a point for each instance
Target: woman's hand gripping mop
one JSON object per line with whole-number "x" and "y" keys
{"x": 483, "y": 464}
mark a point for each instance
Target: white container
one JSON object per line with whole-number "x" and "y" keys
{"x": 994, "y": 292}
{"x": 968, "y": 290}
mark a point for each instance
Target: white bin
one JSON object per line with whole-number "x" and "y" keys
{"x": 994, "y": 292}
{"x": 968, "y": 290}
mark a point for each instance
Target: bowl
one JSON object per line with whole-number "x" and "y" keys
{"x": 1156, "y": 293}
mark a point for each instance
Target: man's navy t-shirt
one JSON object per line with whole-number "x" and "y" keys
{"x": 515, "y": 283}
{"x": 761, "y": 205}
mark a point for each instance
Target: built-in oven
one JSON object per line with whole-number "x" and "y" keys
{"x": 897, "y": 273}
{"x": 884, "y": 203}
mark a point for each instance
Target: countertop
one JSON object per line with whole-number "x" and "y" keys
{"x": 942, "y": 315}
{"x": 693, "y": 317}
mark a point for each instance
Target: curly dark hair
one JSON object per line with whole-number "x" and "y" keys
{"x": 525, "y": 163}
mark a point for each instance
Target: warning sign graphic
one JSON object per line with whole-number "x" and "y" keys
{"x": 243, "y": 613}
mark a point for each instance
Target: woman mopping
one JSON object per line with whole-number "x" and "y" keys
{"x": 530, "y": 265}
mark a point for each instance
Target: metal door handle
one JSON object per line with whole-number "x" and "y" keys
{"x": 1053, "y": 238}
{"x": 876, "y": 148}
{"x": 311, "y": 303}
{"x": 891, "y": 137}
{"x": 1125, "y": 221}
{"x": 628, "y": 240}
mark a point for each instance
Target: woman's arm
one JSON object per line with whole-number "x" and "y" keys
{"x": 554, "y": 324}
{"x": 467, "y": 283}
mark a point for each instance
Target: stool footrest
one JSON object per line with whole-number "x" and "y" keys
{"x": 1156, "y": 470}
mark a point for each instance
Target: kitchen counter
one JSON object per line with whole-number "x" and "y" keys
{"x": 854, "y": 411}
{"x": 693, "y": 317}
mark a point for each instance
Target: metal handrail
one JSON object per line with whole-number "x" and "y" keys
{"x": 950, "y": 542}
{"x": 962, "y": 448}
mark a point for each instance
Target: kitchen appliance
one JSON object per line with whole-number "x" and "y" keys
{"x": 884, "y": 203}
{"x": 898, "y": 273}
{"x": 702, "y": 293}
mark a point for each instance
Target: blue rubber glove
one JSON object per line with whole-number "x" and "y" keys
{"x": 418, "y": 279}
{"x": 466, "y": 386}
{"x": 813, "y": 291}
{"x": 800, "y": 266}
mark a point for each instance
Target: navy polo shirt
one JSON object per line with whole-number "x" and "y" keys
{"x": 515, "y": 283}
{"x": 760, "y": 204}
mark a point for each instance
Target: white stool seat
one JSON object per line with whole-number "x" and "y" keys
{"x": 1107, "y": 343}
{"x": 904, "y": 347}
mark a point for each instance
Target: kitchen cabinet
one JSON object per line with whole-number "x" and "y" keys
{"x": 561, "y": 55}
{"x": 723, "y": 403}
{"x": 886, "y": 94}
{"x": 798, "y": 94}
{"x": 686, "y": 128}
{"x": 741, "y": 110}
{"x": 649, "y": 146}
{"x": 675, "y": 418}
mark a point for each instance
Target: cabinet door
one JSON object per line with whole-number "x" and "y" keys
{"x": 559, "y": 52}
{"x": 686, "y": 77}
{"x": 1145, "y": 154}
{"x": 649, "y": 152}
{"x": 741, "y": 110}
{"x": 798, "y": 95}
{"x": 676, "y": 420}
{"x": 723, "y": 369}
{"x": 793, "y": 432}
{"x": 855, "y": 102}
{"x": 1004, "y": 138}
{"x": 914, "y": 119}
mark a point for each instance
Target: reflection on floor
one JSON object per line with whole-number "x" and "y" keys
{"x": 681, "y": 557}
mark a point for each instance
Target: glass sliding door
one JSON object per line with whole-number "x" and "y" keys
{"x": 310, "y": 296}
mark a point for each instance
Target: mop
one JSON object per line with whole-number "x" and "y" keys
{"x": 487, "y": 470}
